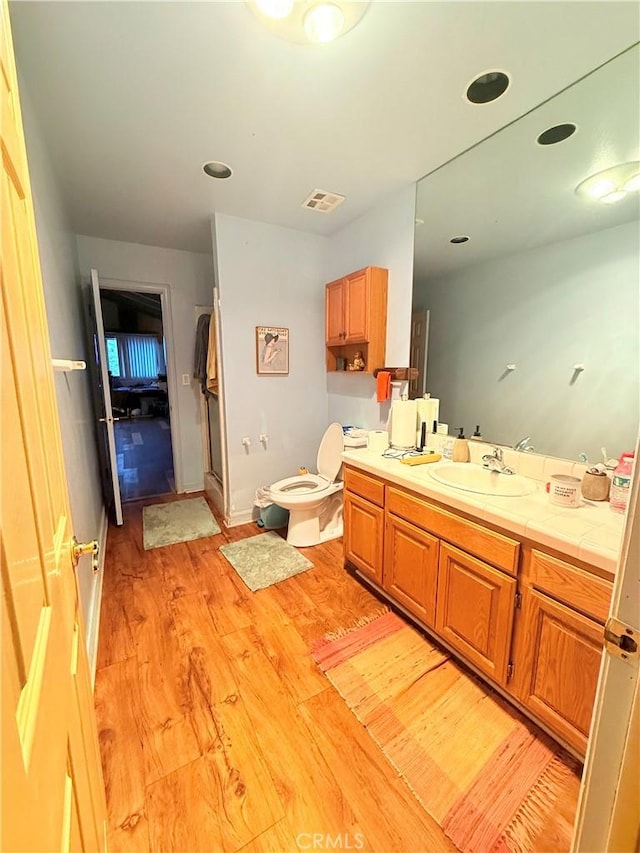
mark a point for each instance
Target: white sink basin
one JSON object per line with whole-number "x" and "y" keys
{"x": 473, "y": 478}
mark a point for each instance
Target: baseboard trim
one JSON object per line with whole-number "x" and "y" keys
{"x": 235, "y": 519}
{"x": 213, "y": 489}
{"x": 93, "y": 617}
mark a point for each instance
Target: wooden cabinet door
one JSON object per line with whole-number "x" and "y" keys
{"x": 410, "y": 572}
{"x": 335, "y": 313}
{"x": 357, "y": 308}
{"x": 363, "y": 535}
{"x": 557, "y": 665}
{"x": 475, "y": 610}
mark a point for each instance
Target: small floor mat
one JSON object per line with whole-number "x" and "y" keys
{"x": 264, "y": 560}
{"x": 177, "y": 521}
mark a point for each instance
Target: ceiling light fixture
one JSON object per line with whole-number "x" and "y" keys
{"x": 611, "y": 185}
{"x": 276, "y": 9}
{"x": 324, "y": 22}
{"x": 309, "y": 21}
{"x": 557, "y": 133}
{"x": 487, "y": 87}
{"x": 461, "y": 239}
{"x": 216, "y": 169}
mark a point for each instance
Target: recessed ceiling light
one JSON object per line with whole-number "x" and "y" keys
{"x": 276, "y": 9}
{"x": 632, "y": 185}
{"x": 557, "y": 133}
{"x": 324, "y": 22}
{"x": 487, "y": 87}
{"x": 613, "y": 197}
{"x": 217, "y": 170}
{"x": 461, "y": 239}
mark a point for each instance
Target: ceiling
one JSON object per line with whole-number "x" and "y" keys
{"x": 134, "y": 97}
{"x": 142, "y": 303}
{"x": 510, "y": 194}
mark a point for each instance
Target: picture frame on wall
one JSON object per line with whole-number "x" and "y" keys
{"x": 272, "y": 350}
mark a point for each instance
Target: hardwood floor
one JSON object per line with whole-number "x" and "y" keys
{"x": 217, "y": 731}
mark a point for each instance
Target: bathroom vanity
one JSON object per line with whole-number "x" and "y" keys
{"x": 515, "y": 587}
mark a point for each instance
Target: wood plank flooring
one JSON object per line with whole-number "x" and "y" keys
{"x": 217, "y": 731}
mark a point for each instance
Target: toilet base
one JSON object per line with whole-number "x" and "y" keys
{"x": 308, "y": 527}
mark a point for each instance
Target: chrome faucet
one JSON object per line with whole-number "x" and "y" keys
{"x": 524, "y": 445}
{"x": 495, "y": 462}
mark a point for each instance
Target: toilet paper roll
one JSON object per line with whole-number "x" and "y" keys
{"x": 378, "y": 440}
{"x": 403, "y": 424}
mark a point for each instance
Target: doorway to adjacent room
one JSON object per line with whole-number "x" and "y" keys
{"x": 137, "y": 363}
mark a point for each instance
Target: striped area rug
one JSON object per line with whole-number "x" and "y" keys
{"x": 489, "y": 777}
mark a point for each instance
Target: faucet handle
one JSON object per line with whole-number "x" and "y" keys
{"x": 497, "y": 452}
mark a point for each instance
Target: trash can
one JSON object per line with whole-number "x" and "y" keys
{"x": 272, "y": 516}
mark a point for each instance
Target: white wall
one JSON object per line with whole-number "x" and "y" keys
{"x": 270, "y": 276}
{"x": 190, "y": 278}
{"x": 544, "y": 310}
{"x": 382, "y": 237}
{"x": 58, "y": 260}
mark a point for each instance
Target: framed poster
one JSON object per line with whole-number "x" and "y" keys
{"x": 272, "y": 350}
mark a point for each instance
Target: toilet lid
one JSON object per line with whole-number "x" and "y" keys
{"x": 330, "y": 452}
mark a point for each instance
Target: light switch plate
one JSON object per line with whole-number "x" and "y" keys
{"x": 186, "y": 379}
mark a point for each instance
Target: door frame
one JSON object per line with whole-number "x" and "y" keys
{"x": 220, "y": 497}
{"x": 164, "y": 291}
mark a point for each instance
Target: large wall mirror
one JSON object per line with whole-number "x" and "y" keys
{"x": 533, "y": 321}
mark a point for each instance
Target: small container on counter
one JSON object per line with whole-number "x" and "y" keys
{"x": 460, "y": 451}
{"x": 595, "y": 485}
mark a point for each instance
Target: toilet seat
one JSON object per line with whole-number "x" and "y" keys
{"x": 303, "y": 484}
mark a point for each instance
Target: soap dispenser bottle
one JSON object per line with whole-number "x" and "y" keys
{"x": 460, "y": 448}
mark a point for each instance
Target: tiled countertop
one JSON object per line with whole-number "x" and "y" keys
{"x": 590, "y": 532}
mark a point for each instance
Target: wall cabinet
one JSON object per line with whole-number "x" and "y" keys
{"x": 528, "y": 620}
{"x": 356, "y": 318}
{"x": 475, "y": 610}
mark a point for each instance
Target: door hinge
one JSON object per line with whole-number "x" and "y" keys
{"x": 620, "y": 639}
{"x": 509, "y": 671}
{"x": 518, "y": 601}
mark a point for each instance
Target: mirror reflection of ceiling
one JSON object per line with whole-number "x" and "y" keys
{"x": 510, "y": 194}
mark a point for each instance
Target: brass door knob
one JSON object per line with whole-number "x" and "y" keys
{"x": 79, "y": 549}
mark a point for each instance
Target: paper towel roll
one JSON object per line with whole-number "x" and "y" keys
{"x": 378, "y": 440}
{"x": 403, "y": 424}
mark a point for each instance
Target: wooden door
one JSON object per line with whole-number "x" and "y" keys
{"x": 475, "y": 610}
{"x": 52, "y": 792}
{"x": 410, "y": 572}
{"x": 334, "y": 313}
{"x": 357, "y": 308}
{"x": 363, "y": 535}
{"x": 557, "y": 666}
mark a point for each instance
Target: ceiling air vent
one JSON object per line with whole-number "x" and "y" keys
{"x": 323, "y": 201}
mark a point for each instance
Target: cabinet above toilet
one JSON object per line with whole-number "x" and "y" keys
{"x": 356, "y": 320}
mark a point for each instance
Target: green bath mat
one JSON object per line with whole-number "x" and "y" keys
{"x": 178, "y": 521}
{"x": 264, "y": 560}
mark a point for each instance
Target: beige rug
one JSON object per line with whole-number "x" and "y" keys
{"x": 177, "y": 521}
{"x": 264, "y": 560}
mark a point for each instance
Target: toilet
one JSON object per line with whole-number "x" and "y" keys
{"x": 314, "y": 501}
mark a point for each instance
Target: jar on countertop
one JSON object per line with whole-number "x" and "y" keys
{"x": 596, "y": 485}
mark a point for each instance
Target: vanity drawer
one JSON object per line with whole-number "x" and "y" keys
{"x": 573, "y": 586}
{"x": 364, "y": 485}
{"x": 493, "y": 547}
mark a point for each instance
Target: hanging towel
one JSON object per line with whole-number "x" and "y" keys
{"x": 201, "y": 350}
{"x": 212, "y": 359}
{"x": 383, "y": 386}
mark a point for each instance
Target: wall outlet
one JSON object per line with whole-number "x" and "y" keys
{"x": 186, "y": 379}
